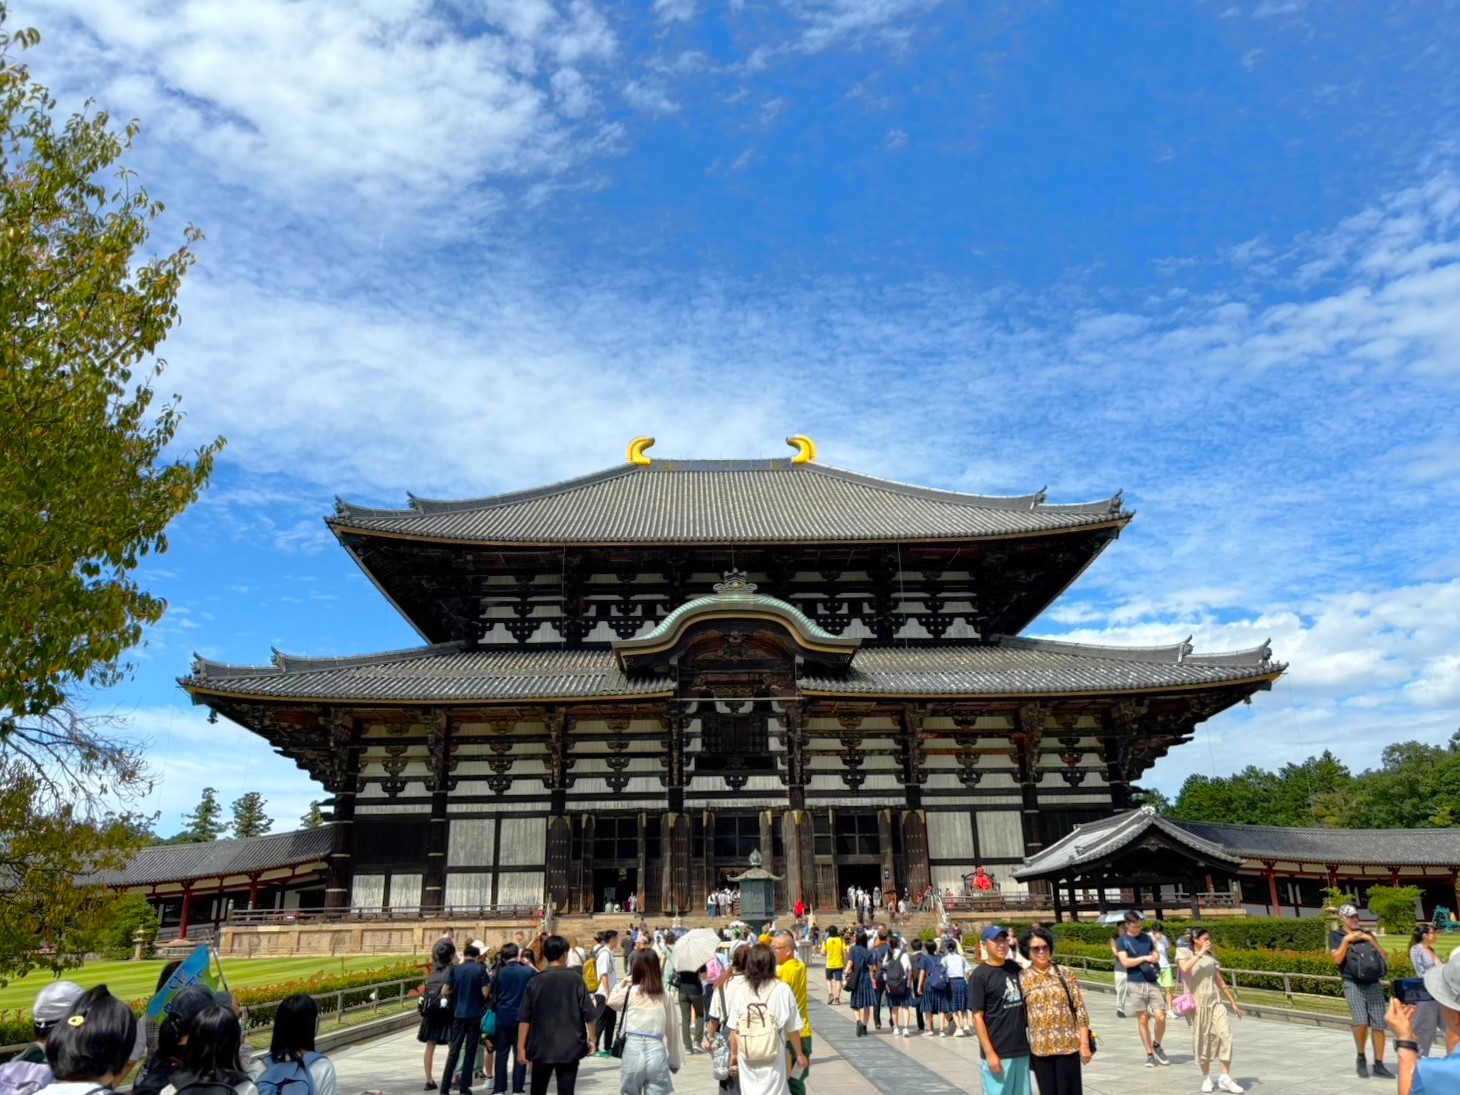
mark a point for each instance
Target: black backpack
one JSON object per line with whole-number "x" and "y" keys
{"x": 896, "y": 976}
{"x": 1365, "y": 963}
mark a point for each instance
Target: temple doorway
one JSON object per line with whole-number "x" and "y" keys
{"x": 612, "y": 886}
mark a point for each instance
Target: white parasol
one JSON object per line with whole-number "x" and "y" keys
{"x": 695, "y": 949}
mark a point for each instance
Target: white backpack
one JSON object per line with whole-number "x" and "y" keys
{"x": 759, "y": 1033}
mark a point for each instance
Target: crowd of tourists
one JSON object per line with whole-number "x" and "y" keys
{"x": 88, "y": 1042}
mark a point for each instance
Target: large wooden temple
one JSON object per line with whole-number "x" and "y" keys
{"x": 634, "y": 678}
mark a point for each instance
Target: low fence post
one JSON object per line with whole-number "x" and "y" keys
{"x": 1288, "y": 987}
{"x": 340, "y": 1007}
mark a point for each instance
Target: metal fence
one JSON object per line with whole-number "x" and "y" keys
{"x": 1291, "y": 985}
{"x": 366, "y": 913}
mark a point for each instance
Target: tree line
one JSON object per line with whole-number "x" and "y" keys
{"x": 206, "y": 822}
{"x": 1415, "y": 786}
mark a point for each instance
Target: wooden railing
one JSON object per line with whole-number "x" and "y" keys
{"x": 366, "y": 913}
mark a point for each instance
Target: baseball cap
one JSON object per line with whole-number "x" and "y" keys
{"x": 54, "y": 1002}
{"x": 992, "y": 932}
{"x": 1347, "y": 910}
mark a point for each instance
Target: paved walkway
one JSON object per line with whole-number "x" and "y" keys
{"x": 1271, "y": 1058}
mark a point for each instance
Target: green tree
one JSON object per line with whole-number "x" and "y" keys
{"x": 205, "y": 821}
{"x": 314, "y": 818}
{"x": 91, "y": 484}
{"x": 1395, "y": 906}
{"x": 249, "y": 818}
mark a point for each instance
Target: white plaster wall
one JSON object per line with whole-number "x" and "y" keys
{"x": 520, "y": 889}
{"x": 1000, "y": 834}
{"x": 471, "y": 843}
{"x": 950, "y": 836}
{"x": 405, "y": 891}
{"x": 524, "y": 842}
{"x": 469, "y": 889}
{"x": 368, "y": 890}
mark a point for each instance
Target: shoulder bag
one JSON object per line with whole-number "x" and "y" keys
{"x": 1074, "y": 1011}
{"x": 621, "y": 1038}
{"x": 720, "y": 1047}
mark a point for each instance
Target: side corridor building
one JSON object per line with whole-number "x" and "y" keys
{"x": 632, "y": 679}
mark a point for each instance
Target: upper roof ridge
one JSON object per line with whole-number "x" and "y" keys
{"x": 417, "y": 506}
{"x": 281, "y": 663}
{"x": 1174, "y": 653}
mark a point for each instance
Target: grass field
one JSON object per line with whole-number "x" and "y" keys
{"x": 1445, "y": 942}
{"x": 135, "y": 980}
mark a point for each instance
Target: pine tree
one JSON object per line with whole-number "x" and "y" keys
{"x": 314, "y": 819}
{"x": 206, "y": 821}
{"x": 249, "y": 818}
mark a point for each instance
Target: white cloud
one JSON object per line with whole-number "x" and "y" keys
{"x": 649, "y": 98}
{"x": 674, "y": 11}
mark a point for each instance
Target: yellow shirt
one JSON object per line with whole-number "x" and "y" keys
{"x": 836, "y": 952}
{"x": 792, "y": 972}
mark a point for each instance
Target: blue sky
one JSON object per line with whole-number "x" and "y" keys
{"x": 1206, "y": 252}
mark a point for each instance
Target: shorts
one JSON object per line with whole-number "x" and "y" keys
{"x": 834, "y": 974}
{"x": 1365, "y": 1003}
{"x": 1166, "y": 978}
{"x": 1014, "y": 1077}
{"x": 1142, "y": 995}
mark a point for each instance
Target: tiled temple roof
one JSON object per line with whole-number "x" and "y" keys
{"x": 1096, "y": 841}
{"x": 450, "y": 672}
{"x": 1347, "y": 847}
{"x": 726, "y": 501}
{"x": 220, "y": 858}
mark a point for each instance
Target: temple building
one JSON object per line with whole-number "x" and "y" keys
{"x": 632, "y": 679}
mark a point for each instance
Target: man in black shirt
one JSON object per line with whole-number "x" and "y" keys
{"x": 467, "y": 992}
{"x": 997, "y": 1004}
{"x": 555, "y": 1022}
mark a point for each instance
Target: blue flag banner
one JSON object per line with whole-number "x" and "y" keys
{"x": 196, "y": 969}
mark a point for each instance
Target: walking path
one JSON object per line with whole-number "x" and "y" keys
{"x": 1271, "y": 1058}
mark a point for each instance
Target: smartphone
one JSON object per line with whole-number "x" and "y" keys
{"x": 1411, "y": 990}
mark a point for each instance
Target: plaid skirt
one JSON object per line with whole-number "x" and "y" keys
{"x": 935, "y": 1001}
{"x": 957, "y": 994}
{"x": 864, "y": 995}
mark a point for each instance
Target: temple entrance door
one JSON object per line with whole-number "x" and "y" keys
{"x": 612, "y": 885}
{"x": 866, "y": 876}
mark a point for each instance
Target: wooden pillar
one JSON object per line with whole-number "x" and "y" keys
{"x": 711, "y": 877}
{"x": 915, "y": 854}
{"x": 889, "y": 861}
{"x": 798, "y": 835}
{"x": 674, "y": 832}
{"x": 588, "y": 896}
{"x": 1272, "y": 890}
{"x": 1195, "y": 897}
{"x": 1029, "y": 729}
{"x": 1074, "y": 903}
{"x": 253, "y": 891}
{"x": 433, "y": 884}
{"x": 1393, "y": 876}
{"x": 344, "y": 772}
{"x": 187, "y": 900}
{"x": 1054, "y": 887}
{"x": 558, "y": 863}
{"x": 1332, "y": 875}
{"x": 641, "y": 883}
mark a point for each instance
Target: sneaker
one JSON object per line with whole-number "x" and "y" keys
{"x": 1119, "y": 1014}
{"x": 1226, "y": 1083}
{"x": 861, "y": 1030}
{"x": 1380, "y": 1070}
{"x": 603, "y": 1053}
{"x": 961, "y": 1033}
{"x": 1362, "y": 1066}
{"x": 1159, "y": 1054}
{"x": 930, "y": 1034}
{"x": 1207, "y": 1085}
{"x": 1150, "y": 1061}
{"x": 945, "y": 1034}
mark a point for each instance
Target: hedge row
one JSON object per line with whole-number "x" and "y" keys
{"x": 1283, "y": 961}
{"x": 15, "y": 1023}
{"x": 1249, "y": 933}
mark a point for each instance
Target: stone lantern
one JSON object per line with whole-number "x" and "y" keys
{"x": 757, "y": 892}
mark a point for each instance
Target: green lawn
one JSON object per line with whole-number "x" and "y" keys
{"x": 135, "y": 980}
{"x": 1445, "y": 942}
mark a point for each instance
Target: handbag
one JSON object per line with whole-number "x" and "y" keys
{"x": 1074, "y": 1011}
{"x": 489, "y": 1024}
{"x": 621, "y": 1036}
{"x": 1183, "y": 1003}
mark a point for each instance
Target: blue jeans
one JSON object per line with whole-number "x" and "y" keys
{"x": 645, "y": 1067}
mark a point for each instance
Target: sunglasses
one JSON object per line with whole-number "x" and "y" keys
{"x": 1041, "y": 949}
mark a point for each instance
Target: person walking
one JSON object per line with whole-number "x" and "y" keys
{"x": 466, "y": 994}
{"x": 167, "y": 1062}
{"x": 897, "y": 977}
{"x": 834, "y": 947}
{"x": 28, "y": 1070}
{"x": 933, "y": 987}
{"x": 1423, "y": 958}
{"x": 508, "y": 986}
{"x": 214, "y": 1049}
{"x": 292, "y": 1056}
{"x": 880, "y": 950}
{"x": 859, "y": 978}
{"x": 791, "y": 971}
{"x": 435, "y": 1028}
{"x": 955, "y": 968}
{"x": 1362, "y": 965}
{"x": 1059, "y": 1024}
{"x": 1211, "y": 1033}
{"x": 607, "y": 981}
{"x": 691, "y": 1007}
{"x": 1165, "y": 970}
{"x": 89, "y": 1051}
{"x": 765, "y": 1022}
{"x": 652, "y": 1052}
{"x": 997, "y": 1003}
{"x": 1122, "y": 979}
{"x": 1136, "y": 951}
{"x": 555, "y": 1021}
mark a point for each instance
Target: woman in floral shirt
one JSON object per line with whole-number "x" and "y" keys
{"x": 1059, "y": 1025}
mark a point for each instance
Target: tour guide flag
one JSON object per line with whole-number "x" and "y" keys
{"x": 196, "y": 969}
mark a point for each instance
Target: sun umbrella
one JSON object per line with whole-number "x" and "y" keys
{"x": 695, "y": 949}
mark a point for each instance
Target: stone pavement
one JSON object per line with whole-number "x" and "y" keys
{"x": 1270, "y": 1058}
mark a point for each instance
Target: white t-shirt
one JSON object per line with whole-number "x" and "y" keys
{"x": 575, "y": 957}
{"x": 607, "y": 975}
{"x": 956, "y": 967}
